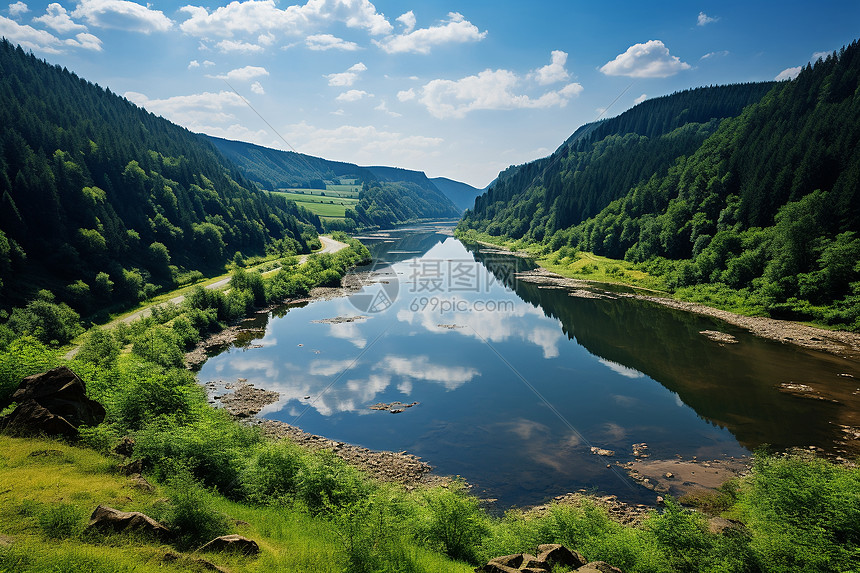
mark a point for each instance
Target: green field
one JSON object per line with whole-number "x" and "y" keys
{"x": 332, "y": 202}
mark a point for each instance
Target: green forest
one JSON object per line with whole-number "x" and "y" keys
{"x": 102, "y": 202}
{"x": 754, "y": 208}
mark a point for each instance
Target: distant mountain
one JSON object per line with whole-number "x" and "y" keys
{"x": 101, "y": 200}
{"x": 461, "y": 194}
{"x": 389, "y": 195}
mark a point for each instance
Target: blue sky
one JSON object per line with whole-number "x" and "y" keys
{"x": 455, "y": 89}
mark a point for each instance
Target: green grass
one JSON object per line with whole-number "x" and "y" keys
{"x": 331, "y": 206}
{"x": 571, "y": 263}
{"x": 47, "y": 498}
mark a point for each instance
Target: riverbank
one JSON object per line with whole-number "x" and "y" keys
{"x": 838, "y": 342}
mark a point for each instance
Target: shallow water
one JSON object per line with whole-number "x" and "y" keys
{"x": 515, "y": 383}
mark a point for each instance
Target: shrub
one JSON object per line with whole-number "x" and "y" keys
{"x": 191, "y": 513}
{"x": 454, "y": 521}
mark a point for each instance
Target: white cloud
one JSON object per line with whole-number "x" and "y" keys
{"x": 255, "y": 16}
{"x": 322, "y": 42}
{"x": 819, "y": 56}
{"x": 29, "y": 37}
{"x": 329, "y": 367}
{"x": 242, "y": 47}
{"x": 353, "y": 95}
{"x": 123, "y": 15}
{"x": 625, "y": 371}
{"x": 57, "y": 18}
{"x": 243, "y": 74}
{"x": 362, "y": 144}
{"x": 489, "y": 90}
{"x": 648, "y": 60}
{"x": 208, "y": 63}
{"x": 720, "y": 54}
{"x": 788, "y": 74}
{"x": 194, "y": 111}
{"x": 407, "y": 95}
{"x": 420, "y": 368}
{"x": 554, "y": 71}
{"x": 456, "y": 30}
{"x": 383, "y": 107}
{"x": 408, "y": 20}
{"x": 18, "y": 8}
{"x": 257, "y": 88}
{"x": 193, "y": 64}
{"x": 704, "y": 19}
{"x": 85, "y": 41}
{"x": 347, "y": 78}
{"x": 640, "y": 99}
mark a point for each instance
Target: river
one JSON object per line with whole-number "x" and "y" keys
{"x": 514, "y": 384}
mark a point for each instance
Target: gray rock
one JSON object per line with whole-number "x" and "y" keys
{"x": 598, "y": 567}
{"x": 233, "y": 544}
{"x": 554, "y": 554}
{"x": 108, "y": 519}
{"x": 52, "y": 403}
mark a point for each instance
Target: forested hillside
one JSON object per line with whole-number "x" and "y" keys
{"x": 766, "y": 209}
{"x": 388, "y": 195}
{"x": 102, "y": 201}
{"x": 600, "y": 162}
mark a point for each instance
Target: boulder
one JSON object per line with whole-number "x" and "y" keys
{"x": 598, "y": 567}
{"x": 503, "y": 564}
{"x": 554, "y": 554}
{"x": 140, "y": 483}
{"x": 30, "y": 418}
{"x": 551, "y": 555}
{"x": 108, "y": 519}
{"x": 233, "y": 544}
{"x": 722, "y": 526}
{"x": 54, "y": 403}
{"x": 125, "y": 447}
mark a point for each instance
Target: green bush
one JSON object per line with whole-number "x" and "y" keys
{"x": 272, "y": 472}
{"x": 454, "y": 521}
{"x": 191, "y": 513}
{"x": 326, "y": 482}
{"x": 23, "y": 357}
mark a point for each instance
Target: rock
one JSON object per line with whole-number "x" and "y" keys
{"x": 140, "y": 483}
{"x": 554, "y": 554}
{"x": 233, "y": 544}
{"x": 532, "y": 563}
{"x": 722, "y": 526}
{"x": 125, "y": 447}
{"x": 717, "y": 336}
{"x": 503, "y": 564}
{"x": 106, "y": 518}
{"x": 132, "y": 468}
{"x": 598, "y": 567}
{"x": 601, "y": 451}
{"x": 6, "y": 541}
{"x": 52, "y": 403}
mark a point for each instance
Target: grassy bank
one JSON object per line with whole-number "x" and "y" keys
{"x": 658, "y": 274}
{"x": 311, "y": 511}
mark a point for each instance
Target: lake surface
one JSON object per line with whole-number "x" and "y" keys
{"x": 515, "y": 383}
